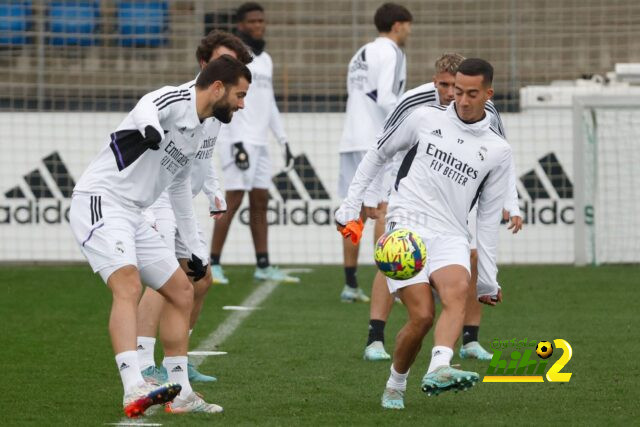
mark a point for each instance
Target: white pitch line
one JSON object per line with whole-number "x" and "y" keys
{"x": 231, "y": 323}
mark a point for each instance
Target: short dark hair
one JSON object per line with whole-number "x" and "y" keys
{"x": 477, "y": 67}
{"x": 226, "y": 69}
{"x": 245, "y": 8}
{"x": 216, "y": 39}
{"x": 390, "y": 13}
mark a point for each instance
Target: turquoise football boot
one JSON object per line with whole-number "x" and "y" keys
{"x": 446, "y": 378}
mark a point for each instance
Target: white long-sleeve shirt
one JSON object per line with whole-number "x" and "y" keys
{"x": 203, "y": 173}
{"x": 427, "y": 94}
{"x": 135, "y": 176}
{"x": 375, "y": 81}
{"x": 260, "y": 113}
{"x": 449, "y": 166}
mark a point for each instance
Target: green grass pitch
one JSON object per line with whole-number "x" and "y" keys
{"x": 298, "y": 360}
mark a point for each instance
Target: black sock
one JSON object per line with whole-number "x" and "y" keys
{"x": 350, "y": 277}
{"x": 215, "y": 259}
{"x": 376, "y": 331}
{"x": 469, "y": 334}
{"x": 262, "y": 260}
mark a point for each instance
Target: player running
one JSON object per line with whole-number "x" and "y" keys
{"x": 455, "y": 159}
{"x": 438, "y": 92}
{"x": 244, "y": 155}
{"x": 161, "y": 216}
{"x": 375, "y": 81}
{"x": 151, "y": 151}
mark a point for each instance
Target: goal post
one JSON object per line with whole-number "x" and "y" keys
{"x": 606, "y": 155}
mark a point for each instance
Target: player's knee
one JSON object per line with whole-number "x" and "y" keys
{"x": 422, "y": 321}
{"x": 180, "y": 292}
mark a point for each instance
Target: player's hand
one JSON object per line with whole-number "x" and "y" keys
{"x": 152, "y": 138}
{"x": 489, "y": 300}
{"x": 289, "y": 160}
{"x": 241, "y": 156}
{"x": 352, "y": 230}
{"x": 220, "y": 208}
{"x": 371, "y": 212}
{"x": 197, "y": 269}
{"x": 516, "y": 224}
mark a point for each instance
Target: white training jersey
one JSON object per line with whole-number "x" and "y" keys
{"x": 203, "y": 173}
{"x": 375, "y": 81}
{"x": 427, "y": 94}
{"x": 135, "y": 175}
{"x": 260, "y": 113}
{"x": 449, "y": 166}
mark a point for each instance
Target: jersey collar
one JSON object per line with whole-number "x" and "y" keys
{"x": 476, "y": 128}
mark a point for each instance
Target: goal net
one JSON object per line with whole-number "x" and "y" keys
{"x": 607, "y": 179}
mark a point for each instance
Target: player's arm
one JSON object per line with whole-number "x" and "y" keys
{"x": 211, "y": 188}
{"x": 151, "y": 109}
{"x": 182, "y": 204}
{"x": 276, "y": 126}
{"x": 490, "y": 205}
{"x": 397, "y": 138}
{"x": 511, "y": 201}
{"x": 386, "y": 98}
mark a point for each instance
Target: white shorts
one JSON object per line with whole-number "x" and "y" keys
{"x": 472, "y": 221}
{"x": 163, "y": 220}
{"x": 388, "y": 182}
{"x": 257, "y": 176}
{"x": 111, "y": 236}
{"x": 442, "y": 250}
{"x": 348, "y": 165}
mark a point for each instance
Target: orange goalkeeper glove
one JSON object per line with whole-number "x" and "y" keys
{"x": 352, "y": 230}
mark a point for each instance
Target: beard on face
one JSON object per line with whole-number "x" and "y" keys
{"x": 223, "y": 112}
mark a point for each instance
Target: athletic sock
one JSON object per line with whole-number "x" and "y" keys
{"x": 440, "y": 356}
{"x": 145, "y": 350}
{"x": 469, "y": 334}
{"x": 350, "y": 277}
{"x": 397, "y": 381}
{"x": 190, "y": 332}
{"x": 376, "y": 331}
{"x": 127, "y": 363}
{"x": 215, "y": 259}
{"x": 176, "y": 367}
{"x": 262, "y": 260}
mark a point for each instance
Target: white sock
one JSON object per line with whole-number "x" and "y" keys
{"x": 397, "y": 381}
{"x": 177, "y": 371}
{"x": 190, "y": 330}
{"x": 440, "y": 355}
{"x": 146, "y": 348}
{"x": 127, "y": 363}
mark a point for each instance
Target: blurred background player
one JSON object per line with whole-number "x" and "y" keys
{"x": 454, "y": 159}
{"x": 151, "y": 151}
{"x": 376, "y": 78}
{"x": 161, "y": 216}
{"x": 438, "y": 92}
{"x": 244, "y": 153}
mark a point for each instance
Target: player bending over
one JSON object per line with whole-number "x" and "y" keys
{"x": 161, "y": 216}
{"x": 438, "y": 92}
{"x": 151, "y": 151}
{"x": 454, "y": 160}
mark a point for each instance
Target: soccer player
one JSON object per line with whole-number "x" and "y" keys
{"x": 438, "y": 92}
{"x": 455, "y": 159}
{"x": 151, "y": 151}
{"x": 160, "y": 214}
{"x": 375, "y": 81}
{"x": 244, "y": 153}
